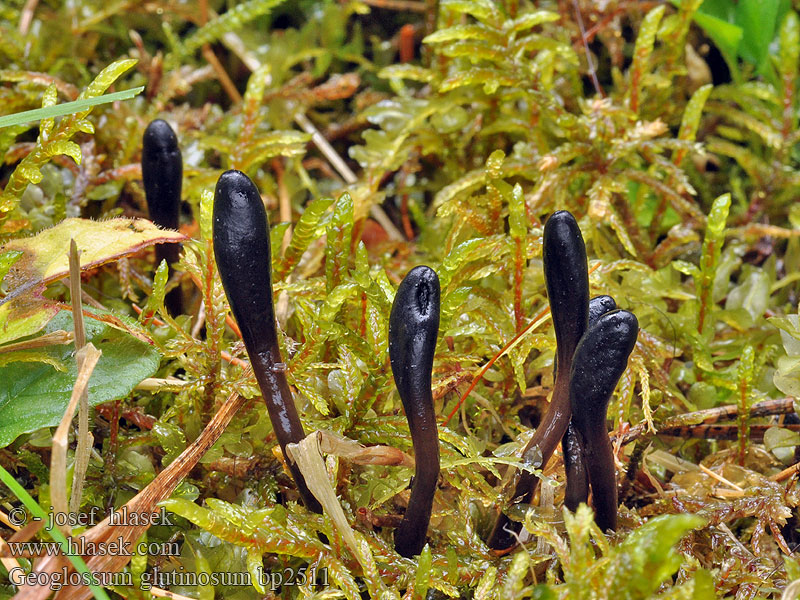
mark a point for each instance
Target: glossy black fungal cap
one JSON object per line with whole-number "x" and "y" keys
{"x": 598, "y": 306}
{"x": 577, "y": 485}
{"x": 599, "y": 361}
{"x": 567, "y": 278}
{"x": 413, "y": 328}
{"x": 162, "y": 173}
{"x": 242, "y": 252}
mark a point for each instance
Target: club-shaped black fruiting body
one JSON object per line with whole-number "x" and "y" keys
{"x": 577, "y": 486}
{"x": 242, "y": 252}
{"x": 413, "y": 327}
{"x": 162, "y": 175}
{"x": 567, "y": 279}
{"x": 599, "y": 361}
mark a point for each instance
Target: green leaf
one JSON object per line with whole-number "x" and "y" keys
{"x": 515, "y": 578}
{"x": 647, "y": 558}
{"x": 272, "y": 144}
{"x": 423, "y": 574}
{"x": 641, "y": 53}
{"x": 792, "y": 568}
{"x": 752, "y": 294}
{"x": 407, "y": 71}
{"x": 229, "y": 21}
{"x": 206, "y": 214}
{"x": 7, "y": 260}
{"x": 692, "y": 113}
{"x": 99, "y": 242}
{"x": 340, "y": 232}
{"x": 24, "y": 316}
{"x": 483, "y": 10}
{"x": 50, "y": 98}
{"x": 34, "y": 395}
{"x": 55, "y": 533}
{"x": 466, "y": 32}
{"x": 717, "y": 218}
{"x": 758, "y": 19}
{"x": 156, "y": 300}
{"x": 517, "y": 215}
{"x": 788, "y": 58}
{"x": 531, "y": 20}
{"x": 68, "y": 108}
{"x": 485, "y": 589}
{"x": 107, "y": 77}
{"x": 777, "y": 437}
{"x": 306, "y": 231}
{"x": 171, "y": 438}
{"x": 716, "y": 17}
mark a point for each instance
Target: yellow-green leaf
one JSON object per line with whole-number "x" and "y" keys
{"x": 44, "y": 255}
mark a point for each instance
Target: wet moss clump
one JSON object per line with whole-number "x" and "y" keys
{"x": 380, "y": 135}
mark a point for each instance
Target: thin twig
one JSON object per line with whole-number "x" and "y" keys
{"x": 48, "y": 339}
{"x": 75, "y": 292}
{"x": 700, "y": 423}
{"x": 222, "y": 74}
{"x": 85, "y": 437}
{"x": 140, "y": 506}
{"x": 8, "y": 562}
{"x": 719, "y": 478}
{"x": 347, "y": 174}
{"x": 251, "y": 61}
{"x": 284, "y": 201}
{"x": 26, "y": 17}
{"x": 589, "y": 61}
{"x": 786, "y": 473}
{"x": 87, "y": 359}
{"x": 401, "y": 5}
{"x": 211, "y": 58}
{"x": 154, "y": 384}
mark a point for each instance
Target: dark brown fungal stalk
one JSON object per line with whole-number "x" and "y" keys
{"x": 567, "y": 279}
{"x": 413, "y": 327}
{"x": 242, "y": 252}
{"x": 577, "y": 487}
{"x": 599, "y": 361}
{"x": 162, "y": 175}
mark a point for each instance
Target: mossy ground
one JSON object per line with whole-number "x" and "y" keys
{"x": 383, "y": 134}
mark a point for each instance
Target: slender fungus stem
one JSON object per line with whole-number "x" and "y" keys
{"x": 413, "y": 327}
{"x": 600, "y": 360}
{"x": 242, "y": 252}
{"x": 162, "y": 175}
{"x": 567, "y": 279}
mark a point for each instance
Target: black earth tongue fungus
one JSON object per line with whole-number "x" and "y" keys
{"x": 162, "y": 175}
{"x": 242, "y": 252}
{"x": 566, "y": 276}
{"x": 577, "y": 487}
{"x": 599, "y": 362}
{"x": 413, "y": 327}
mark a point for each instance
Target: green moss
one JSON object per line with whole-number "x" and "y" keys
{"x": 684, "y": 192}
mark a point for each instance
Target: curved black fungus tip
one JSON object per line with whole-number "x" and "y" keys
{"x": 162, "y": 175}
{"x": 566, "y": 276}
{"x": 242, "y": 252}
{"x": 598, "y": 306}
{"x": 599, "y": 361}
{"x": 413, "y": 327}
{"x": 577, "y": 486}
